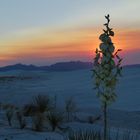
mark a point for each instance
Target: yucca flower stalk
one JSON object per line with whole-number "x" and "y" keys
{"x": 107, "y": 70}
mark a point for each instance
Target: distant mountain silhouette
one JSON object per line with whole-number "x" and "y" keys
{"x": 18, "y": 67}
{"x": 62, "y": 66}
{"x": 68, "y": 66}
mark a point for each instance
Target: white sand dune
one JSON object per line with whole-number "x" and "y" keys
{"x": 124, "y": 113}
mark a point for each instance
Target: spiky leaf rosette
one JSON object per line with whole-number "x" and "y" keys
{"x": 107, "y": 66}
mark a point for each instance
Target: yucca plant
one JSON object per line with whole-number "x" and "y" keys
{"x": 106, "y": 71}
{"x": 39, "y": 104}
{"x": 55, "y": 119}
{"x": 42, "y": 103}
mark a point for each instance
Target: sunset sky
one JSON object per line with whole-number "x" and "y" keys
{"x": 44, "y": 32}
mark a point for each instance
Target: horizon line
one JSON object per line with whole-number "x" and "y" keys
{"x": 20, "y": 63}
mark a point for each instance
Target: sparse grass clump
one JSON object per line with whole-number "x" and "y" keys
{"x": 98, "y": 135}
{"x": 84, "y": 135}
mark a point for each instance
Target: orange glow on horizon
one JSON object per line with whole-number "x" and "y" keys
{"x": 76, "y": 44}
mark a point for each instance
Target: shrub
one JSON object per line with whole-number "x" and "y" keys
{"x": 55, "y": 120}
{"x": 42, "y": 103}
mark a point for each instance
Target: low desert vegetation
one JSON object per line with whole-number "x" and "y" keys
{"x": 42, "y": 103}
{"x": 70, "y": 108}
{"x": 37, "y": 109}
{"x": 55, "y": 120}
{"x": 45, "y": 117}
{"x": 9, "y": 112}
{"x": 21, "y": 119}
{"x": 84, "y": 135}
{"x": 43, "y": 113}
{"x": 98, "y": 135}
{"x": 38, "y": 121}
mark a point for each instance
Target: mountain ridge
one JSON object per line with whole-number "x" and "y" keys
{"x": 60, "y": 66}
